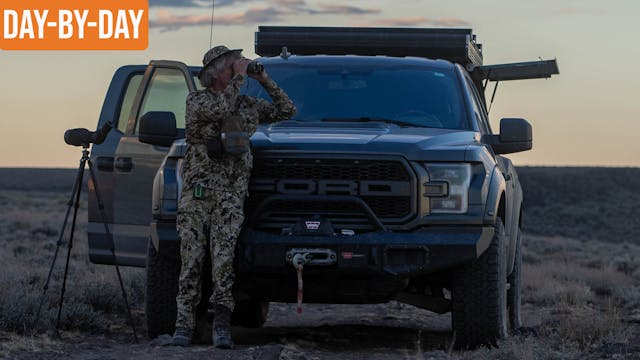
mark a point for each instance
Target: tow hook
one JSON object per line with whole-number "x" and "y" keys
{"x": 300, "y": 257}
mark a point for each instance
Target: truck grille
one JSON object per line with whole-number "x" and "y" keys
{"x": 333, "y": 169}
{"x": 386, "y": 186}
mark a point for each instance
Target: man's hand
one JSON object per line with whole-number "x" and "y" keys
{"x": 240, "y": 67}
{"x": 261, "y": 77}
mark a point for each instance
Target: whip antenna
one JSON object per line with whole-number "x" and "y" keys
{"x": 213, "y": 7}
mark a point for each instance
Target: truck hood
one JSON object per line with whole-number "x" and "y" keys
{"x": 372, "y": 137}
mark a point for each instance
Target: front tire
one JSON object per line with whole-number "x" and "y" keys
{"x": 514, "y": 294}
{"x": 479, "y": 296}
{"x": 161, "y": 289}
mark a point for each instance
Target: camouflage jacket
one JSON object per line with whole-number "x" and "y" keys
{"x": 204, "y": 112}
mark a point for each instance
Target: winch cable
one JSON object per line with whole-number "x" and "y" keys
{"x": 213, "y": 7}
{"x": 298, "y": 262}
{"x": 300, "y": 290}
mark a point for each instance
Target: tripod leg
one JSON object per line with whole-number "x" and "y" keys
{"x": 76, "y": 189}
{"x": 70, "y": 244}
{"x": 113, "y": 251}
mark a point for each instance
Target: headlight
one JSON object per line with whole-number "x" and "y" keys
{"x": 448, "y": 187}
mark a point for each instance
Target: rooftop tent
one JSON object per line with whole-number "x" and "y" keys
{"x": 455, "y": 45}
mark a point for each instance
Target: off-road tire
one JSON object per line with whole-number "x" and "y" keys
{"x": 479, "y": 296}
{"x": 515, "y": 290}
{"x": 250, "y": 313}
{"x": 160, "y": 292}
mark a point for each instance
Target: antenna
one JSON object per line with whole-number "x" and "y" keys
{"x": 213, "y": 7}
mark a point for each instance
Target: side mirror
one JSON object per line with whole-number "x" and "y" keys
{"x": 158, "y": 128}
{"x": 515, "y": 136}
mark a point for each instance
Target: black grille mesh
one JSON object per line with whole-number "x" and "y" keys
{"x": 343, "y": 214}
{"x": 330, "y": 169}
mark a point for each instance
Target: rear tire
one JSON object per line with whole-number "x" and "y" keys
{"x": 479, "y": 296}
{"x": 250, "y": 313}
{"x": 161, "y": 290}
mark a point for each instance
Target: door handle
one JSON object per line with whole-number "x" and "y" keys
{"x": 124, "y": 164}
{"x": 105, "y": 163}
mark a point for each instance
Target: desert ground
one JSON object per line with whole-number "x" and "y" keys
{"x": 581, "y": 293}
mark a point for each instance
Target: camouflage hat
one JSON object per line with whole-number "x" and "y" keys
{"x": 214, "y": 53}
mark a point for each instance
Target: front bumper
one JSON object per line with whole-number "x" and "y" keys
{"x": 369, "y": 267}
{"x": 409, "y": 254}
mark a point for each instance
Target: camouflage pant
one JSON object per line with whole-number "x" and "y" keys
{"x": 222, "y": 213}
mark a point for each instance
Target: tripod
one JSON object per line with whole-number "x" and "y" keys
{"x": 75, "y": 193}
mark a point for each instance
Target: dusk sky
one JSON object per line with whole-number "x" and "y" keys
{"x": 589, "y": 115}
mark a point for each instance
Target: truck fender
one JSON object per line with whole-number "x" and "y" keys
{"x": 513, "y": 226}
{"x": 511, "y": 255}
{"x": 497, "y": 187}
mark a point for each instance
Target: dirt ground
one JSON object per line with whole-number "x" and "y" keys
{"x": 352, "y": 332}
{"x": 388, "y": 331}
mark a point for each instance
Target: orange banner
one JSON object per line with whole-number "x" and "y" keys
{"x": 74, "y": 24}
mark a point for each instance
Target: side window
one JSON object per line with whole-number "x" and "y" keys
{"x": 127, "y": 101}
{"x": 478, "y": 108}
{"x": 167, "y": 91}
{"x": 483, "y": 110}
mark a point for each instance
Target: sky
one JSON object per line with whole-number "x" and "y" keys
{"x": 586, "y": 116}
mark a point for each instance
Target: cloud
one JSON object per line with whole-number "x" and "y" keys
{"x": 290, "y": 2}
{"x": 417, "y": 21}
{"x": 176, "y": 3}
{"x": 193, "y": 3}
{"x": 168, "y": 21}
{"x": 448, "y": 22}
{"x": 343, "y": 10}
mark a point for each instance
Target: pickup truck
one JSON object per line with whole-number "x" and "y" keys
{"x": 388, "y": 184}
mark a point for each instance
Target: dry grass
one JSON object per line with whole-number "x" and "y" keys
{"x": 582, "y": 203}
{"x": 577, "y": 273}
{"x": 587, "y": 327}
{"x": 580, "y": 291}
{"x": 29, "y": 231}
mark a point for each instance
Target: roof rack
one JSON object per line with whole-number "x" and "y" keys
{"x": 455, "y": 45}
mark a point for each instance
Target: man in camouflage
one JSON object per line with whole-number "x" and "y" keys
{"x": 210, "y": 211}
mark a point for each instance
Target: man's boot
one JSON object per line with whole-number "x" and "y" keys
{"x": 181, "y": 337}
{"x": 222, "y": 327}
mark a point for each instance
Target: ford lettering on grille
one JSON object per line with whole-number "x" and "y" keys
{"x": 287, "y": 189}
{"x": 332, "y": 187}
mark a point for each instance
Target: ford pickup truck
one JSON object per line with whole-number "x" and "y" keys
{"x": 388, "y": 184}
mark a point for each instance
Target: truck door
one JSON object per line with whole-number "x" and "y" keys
{"x": 164, "y": 87}
{"x": 116, "y": 110}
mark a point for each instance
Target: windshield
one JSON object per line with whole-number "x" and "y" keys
{"x": 406, "y": 95}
